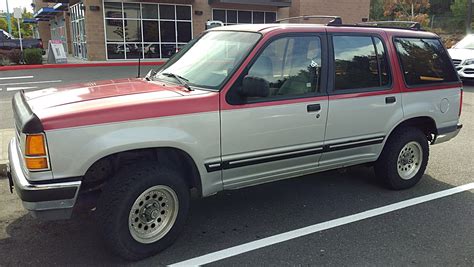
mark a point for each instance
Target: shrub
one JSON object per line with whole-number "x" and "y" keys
{"x": 33, "y": 56}
{"x": 14, "y": 55}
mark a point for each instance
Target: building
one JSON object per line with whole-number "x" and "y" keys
{"x": 130, "y": 29}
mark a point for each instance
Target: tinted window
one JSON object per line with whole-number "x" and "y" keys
{"x": 291, "y": 65}
{"x": 360, "y": 62}
{"x": 166, "y": 12}
{"x": 424, "y": 61}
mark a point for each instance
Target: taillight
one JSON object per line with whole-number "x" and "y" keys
{"x": 36, "y": 157}
{"x": 460, "y": 102}
{"x": 40, "y": 45}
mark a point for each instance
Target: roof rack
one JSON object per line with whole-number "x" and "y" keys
{"x": 335, "y": 20}
{"x": 411, "y": 24}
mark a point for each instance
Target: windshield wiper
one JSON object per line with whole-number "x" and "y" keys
{"x": 183, "y": 81}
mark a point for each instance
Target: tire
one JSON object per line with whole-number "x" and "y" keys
{"x": 403, "y": 169}
{"x": 132, "y": 210}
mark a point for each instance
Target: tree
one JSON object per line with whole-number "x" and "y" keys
{"x": 416, "y": 10}
{"x": 376, "y": 10}
{"x": 440, "y": 7}
{"x": 459, "y": 10}
{"x": 26, "y": 29}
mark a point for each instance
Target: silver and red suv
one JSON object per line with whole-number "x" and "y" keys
{"x": 238, "y": 106}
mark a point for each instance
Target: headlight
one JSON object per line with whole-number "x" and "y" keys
{"x": 469, "y": 61}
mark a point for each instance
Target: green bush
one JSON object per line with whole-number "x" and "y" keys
{"x": 14, "y": 55}
{"x": 33, "y": 56}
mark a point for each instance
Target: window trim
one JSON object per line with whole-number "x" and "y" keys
{"x": 332, "y": 65}
{"x": 231, "y": 95}
{"x": 418, "y": 86}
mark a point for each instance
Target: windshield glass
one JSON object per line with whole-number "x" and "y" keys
{"x": 466, "y": 43}
{"x": 211, "y": 59}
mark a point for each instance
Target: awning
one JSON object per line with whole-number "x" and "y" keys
{"x": 274, "y": 3}
{"x": 30, "y": 21}
{"x": 46, "y": 13}
{"x": 60, "y": 6}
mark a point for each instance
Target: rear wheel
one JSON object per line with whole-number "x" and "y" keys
{"x": 142, "y": 210}
{"x": 404, "y": 158}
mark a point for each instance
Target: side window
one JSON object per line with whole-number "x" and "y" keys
{"x": 291, "y": 65}
{"x": 424, "y": 61}
{"x": 360, "y": 63}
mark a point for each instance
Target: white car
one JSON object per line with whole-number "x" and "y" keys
{"x": 463, "y": 56}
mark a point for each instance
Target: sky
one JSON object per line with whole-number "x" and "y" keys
{"x": 15, "y": 3}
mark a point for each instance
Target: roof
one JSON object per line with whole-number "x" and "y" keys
{"x": 264, "y": 28}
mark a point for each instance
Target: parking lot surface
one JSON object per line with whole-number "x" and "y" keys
{"x": 436, "y": 232}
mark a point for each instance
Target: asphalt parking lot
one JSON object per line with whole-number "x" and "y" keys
{"x": 437, "y": 232}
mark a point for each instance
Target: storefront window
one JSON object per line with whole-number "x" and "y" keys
{"x": 146, "y": 30}
{"x": 230, "y": 17}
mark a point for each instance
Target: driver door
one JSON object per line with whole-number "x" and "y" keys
{"x": 280, "y": 135}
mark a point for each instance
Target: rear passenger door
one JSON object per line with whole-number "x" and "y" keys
{"x": 363, "y": 103}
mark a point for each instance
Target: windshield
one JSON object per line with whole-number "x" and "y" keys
{"x": 211, "y": 59}
{"x": 466, "y": 43}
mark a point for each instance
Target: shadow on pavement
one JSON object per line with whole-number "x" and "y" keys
{"x": 227, "y": 219}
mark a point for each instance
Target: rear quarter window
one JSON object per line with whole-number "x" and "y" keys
{"x": 424, "y": 61}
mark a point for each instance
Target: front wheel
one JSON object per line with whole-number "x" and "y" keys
{"x": 404, "y": 158}
{"x": 142, "y": 210}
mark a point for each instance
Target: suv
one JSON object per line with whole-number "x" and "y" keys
{"x": 238, "y": 106}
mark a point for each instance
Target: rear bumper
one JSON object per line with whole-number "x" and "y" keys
{"x": 50, "y": 201}
{"x": 448, "y": 133}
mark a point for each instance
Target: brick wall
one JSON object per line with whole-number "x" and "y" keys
{"x": 94, "y": 24}
{"x": 43, "y": 26}
{"x": 350, "y": 11}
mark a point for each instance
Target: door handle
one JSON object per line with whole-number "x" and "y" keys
{"x": 313, "y": 108}
{"x": 390, "y": 100}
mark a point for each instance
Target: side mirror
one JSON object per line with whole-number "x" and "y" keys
{"x": 254, "y": 87}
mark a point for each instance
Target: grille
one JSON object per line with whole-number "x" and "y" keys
{"x": 469, "y": 71}
{"x": 456, "y": 62}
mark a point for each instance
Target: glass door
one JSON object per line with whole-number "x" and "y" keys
{"x": 79, "y": 37}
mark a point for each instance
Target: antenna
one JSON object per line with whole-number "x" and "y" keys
{"x": 139, "y": 65}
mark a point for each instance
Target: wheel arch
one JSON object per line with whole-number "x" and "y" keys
{"x": 102, "y": 169}
{"x": 425, "y": 123}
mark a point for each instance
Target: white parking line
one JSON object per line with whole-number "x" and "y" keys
{"x": 17, "y": 77}
{"x": 21, "y": 88}
{"x": 268, "y": 241}
{"x": 54, "y": 81}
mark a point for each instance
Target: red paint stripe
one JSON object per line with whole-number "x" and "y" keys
{"x": 81, "y": 65}
{"x": 108, "y": 111}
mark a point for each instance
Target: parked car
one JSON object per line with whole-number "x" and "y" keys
{"x": 239, "y": 106}
{"x": 463, "y": 57}
{"x": 7, "y": 42}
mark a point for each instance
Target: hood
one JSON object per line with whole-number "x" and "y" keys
{"x": 461, "y": 54}
{"x": 80, "y": 92}
{"x": 115, "y": 101}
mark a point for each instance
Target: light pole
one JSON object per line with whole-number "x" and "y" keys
{"x": 9, "y": 23}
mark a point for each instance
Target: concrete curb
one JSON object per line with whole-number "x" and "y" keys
{"x": 81, "y": 65}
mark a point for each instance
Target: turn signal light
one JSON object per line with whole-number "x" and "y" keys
{"x": 36, "y": 163}
{"x": 35, "y": 145}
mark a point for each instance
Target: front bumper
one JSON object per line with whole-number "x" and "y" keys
{"x": 51, "y": 200}
{"x": 448, "y": 133}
